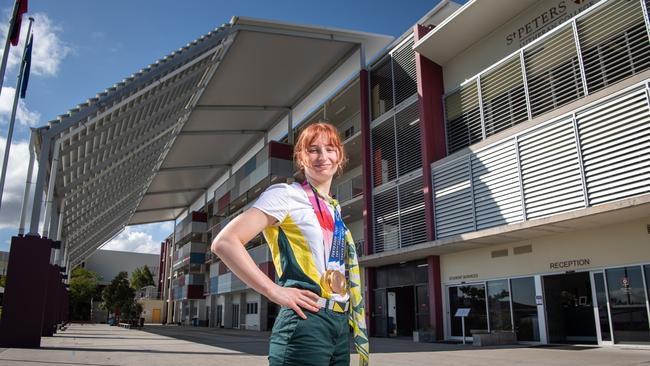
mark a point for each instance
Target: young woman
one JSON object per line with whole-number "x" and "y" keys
{"x": 314, "y": 257}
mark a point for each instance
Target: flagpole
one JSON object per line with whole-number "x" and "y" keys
{"x": 5, "y": 54}
{"x": 13, "y": 113}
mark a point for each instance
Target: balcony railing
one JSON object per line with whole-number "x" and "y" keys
{"x": 191, "y": 227}
{"x": 350, "y": 126}
{"x": 275, "y": 159}
{"x": 349, "y": 189}
{"x": 599, "y": 47}
{"x": 594, "y": 155}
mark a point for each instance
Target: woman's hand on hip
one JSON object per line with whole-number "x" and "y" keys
{"x": 296, "y": 299}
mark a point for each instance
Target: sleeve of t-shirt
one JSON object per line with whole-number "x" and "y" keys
{"x": 274, "y": 201}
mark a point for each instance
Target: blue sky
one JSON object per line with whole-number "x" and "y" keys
{"x": 81, "y": 47}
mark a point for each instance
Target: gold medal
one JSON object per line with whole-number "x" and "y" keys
{"x": 334, "y": 282}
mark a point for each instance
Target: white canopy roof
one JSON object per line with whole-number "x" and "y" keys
{"x": 148, "y": 147}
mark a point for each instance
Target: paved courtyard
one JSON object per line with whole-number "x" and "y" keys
{"x": 100, "y": 344}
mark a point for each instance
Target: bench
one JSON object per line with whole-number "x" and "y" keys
{"x": 125, "y": 325}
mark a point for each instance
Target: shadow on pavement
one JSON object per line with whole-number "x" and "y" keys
{"x": 250, "y": 342}
{"x": 256, "y": 343}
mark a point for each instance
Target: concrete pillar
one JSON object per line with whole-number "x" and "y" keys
{"x": 227, "y": 311}
{"x": 263, "y": 313}
{"x": 25, "y": 292}
{"x": 52, "y": 302}
{"x": 242, "y": 310}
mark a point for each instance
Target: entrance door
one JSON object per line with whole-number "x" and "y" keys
{"x": 392, "y": 314}
{"x": 380, "y": 314}
{"x": 601, "y": 308}
{"x": 524, "y": 309}
{"x": 472, "y": 297}
{"x": 406, "y": 313}
{"x": 627, "y": 302}
{"x": 569, "y": 308}
{"x": 219, "y": 317}
{"x": 235, "y": 316}
{"x": 155, "y": 316}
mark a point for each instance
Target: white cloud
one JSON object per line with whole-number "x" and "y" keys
{"x": 49, "y": 49}
{"x": 167, "y": 226}
{"x": 12, "y": 196}
{"x": 131, "y": 240}
{"x": 23, "y": 115}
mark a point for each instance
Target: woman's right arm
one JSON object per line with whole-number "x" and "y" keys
{"x": 229, "y": 245}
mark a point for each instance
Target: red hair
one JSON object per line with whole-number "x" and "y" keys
{"x": 308, "y": 135}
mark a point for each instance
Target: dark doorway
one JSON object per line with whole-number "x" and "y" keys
{"x": 401, "y": 319}
{"x": 569, "y": 308}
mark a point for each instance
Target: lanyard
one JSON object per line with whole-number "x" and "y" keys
{"x": 333, "y": 229}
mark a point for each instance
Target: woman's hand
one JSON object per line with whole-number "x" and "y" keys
{"x": 295, "y": 298}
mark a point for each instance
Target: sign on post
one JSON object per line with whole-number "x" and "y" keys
{"x": 462, "y": 313}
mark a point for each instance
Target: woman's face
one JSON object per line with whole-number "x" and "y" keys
{"x": 322, "y": 160}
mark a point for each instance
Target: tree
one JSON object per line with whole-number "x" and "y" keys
{"x": 83, "y": 286}
{"x": 119, "y": 298}
{"x": 141, "y": 277}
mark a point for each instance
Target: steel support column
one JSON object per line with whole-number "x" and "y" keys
{"x": 40, "y": 184}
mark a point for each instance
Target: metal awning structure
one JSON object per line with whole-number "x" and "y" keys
{"x": 466, "y": 26}
{"x": 145, "y": 149}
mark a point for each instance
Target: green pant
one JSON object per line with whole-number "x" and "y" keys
{"x": 320, "y": 340}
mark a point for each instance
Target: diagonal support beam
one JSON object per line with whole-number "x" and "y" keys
{"x": 160, "y": 209}
{"x": 172, "y": 191}
{"x": 241, "y": 108}
{"x": 221, "y": 132}
{"x": 193, "y": 167}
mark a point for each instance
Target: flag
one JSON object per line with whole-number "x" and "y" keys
{"x": 27, "y": 63}
{"x": 14, "y": 28}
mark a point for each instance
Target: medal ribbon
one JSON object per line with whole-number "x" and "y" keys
{"x": 333, "y": 229}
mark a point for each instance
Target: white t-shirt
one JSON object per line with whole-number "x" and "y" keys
{"x": 296, "y": 240}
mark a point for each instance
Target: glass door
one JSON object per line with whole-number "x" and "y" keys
{"x": 628, "y": 306}
{"x": 524, "y": 309}
{"x": 601, "y": 308}
{"x": 472, "y": 297}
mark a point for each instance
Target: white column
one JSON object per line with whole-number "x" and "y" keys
{"x": 541, "y": 312}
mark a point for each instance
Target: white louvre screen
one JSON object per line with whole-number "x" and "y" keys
{"x": 386, "y": 220}
{"x": 463, "y": 118}
{"x": 550, "y": 170}
{"x": 553, "y": 72}
{"x": 381, "y": 88}
{"x": 453, "y": 198}
{"x": 404, "y": 72}
{"x": 497, "y": 197}
{"x": 615, "y": 142}
{"x": 504, "y": 98}
{"x": 614, "y": 43}
{"x": 409, "y": 150}
{"x": 384, "y": 156}
{"x": 413, "y": 228}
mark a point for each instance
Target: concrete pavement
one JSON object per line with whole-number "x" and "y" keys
{"x": 99, "y": 344}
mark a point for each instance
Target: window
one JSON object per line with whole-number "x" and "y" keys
{"x": 251, "y": 308}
